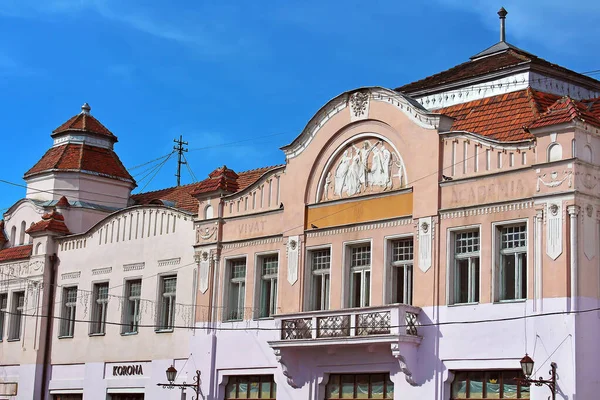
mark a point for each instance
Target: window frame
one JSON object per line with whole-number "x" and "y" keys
{"x": 99, "y": 309}
{"x": 497, "y": 287}
{"x": 350, "y": 272}
{"x": 386, "y": 385}
{"x": 312, "y": 276}
{"x": 262, "y": 378}
{"x": 391, "y": 266}
{"x": 451, "y": 265}
{"x": 15, "y": 326}
{"x": 228, "y": 284}
{"x": 485, "y": 373}
{"x": 126, "y": 328}
{"x": 3, "y": 313}
{"x": 166, "y": 300}
{"x": 549, "y": 152}
{"x": 264, "y": 282}
{"x": 68, "y": 312}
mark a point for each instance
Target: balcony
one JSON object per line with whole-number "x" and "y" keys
{"x": 386, "y": 324}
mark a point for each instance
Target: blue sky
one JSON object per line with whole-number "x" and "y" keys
{"x": 220, "y": 72}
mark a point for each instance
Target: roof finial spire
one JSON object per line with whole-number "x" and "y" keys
{"x": 502, "y": 14}
{"x": 85, "y": 109}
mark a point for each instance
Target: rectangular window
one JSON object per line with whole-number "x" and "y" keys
{"x": 251, "y": 387}
{"x": 465, "y": 157}
{"x": 511, "y": 159}
{"x": 359, "y": 386}
{"x": 523, "y": 158}
{"x": 321, "y": 275}
{"x": 166, "y": 315}
{"x": 512, "y": 273}
{"x": 402, "y": 269}
{"x": 237, "y": 289}
{"x": 69, "y": 306}
{"x": 360, "y": 275}
{"x": 493, "y": 384}
{"x": 99, "y": 306}
{"x": 466, "y": 267}
{"x": 16, "y": 318}
{"x": 131, "y": 311}
{"x": 268, "y": 286}
{"x": 3, "y": 312}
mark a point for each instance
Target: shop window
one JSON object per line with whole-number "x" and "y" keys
{"x": 488, "y": 385}
{"x": 16, "y": 318}
{"x": 402, "y": 254}
{"x": 251, "y": 387}
{"x": 320, "y": 265}
{"x": 359, "y": 386}
{"x": 512, "y": 262}
{"x": 268, "y": 286}
{"x": 99, "y": 308}
{"x": 3, "y": 312}
{"x": 166, "y": 315}
{"x": 69, "y": 306}
{"x": 360, "y": 275}
{"x": 131, "y": 311}
{"x": 465, "y": 271}
{"x": 236, "y": 289}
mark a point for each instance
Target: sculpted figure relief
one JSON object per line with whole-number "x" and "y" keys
{"x": 364, "y": 167}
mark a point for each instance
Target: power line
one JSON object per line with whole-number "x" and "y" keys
{"x": 237, "y": 142}
{"x": 157, "y": 171}
{"x": 189, "y": 168}
{"x": 148, "y": 162}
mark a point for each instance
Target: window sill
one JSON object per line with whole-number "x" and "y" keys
{"x": 128, "y": 333}
{"x": 164, "y": 331}
{"x": 463, "y": 304}
{"x": 264, "y": 318}
{"x": 13, "y": 340}
{"x": 97, "y": 334}
{"x": 510, "y": 301}
{"x": 66, "y": 337}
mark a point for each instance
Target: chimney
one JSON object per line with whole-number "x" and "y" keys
{"x": 502, "y": 14}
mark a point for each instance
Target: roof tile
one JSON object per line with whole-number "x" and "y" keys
{"x": 16, "y": 253}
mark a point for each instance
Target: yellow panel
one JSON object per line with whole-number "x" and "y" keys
{"x": 355, "y": 211}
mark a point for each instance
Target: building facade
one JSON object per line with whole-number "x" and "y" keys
{"x": 416, "y": 244}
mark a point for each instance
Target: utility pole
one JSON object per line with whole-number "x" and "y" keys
{"x": 180, "y": 150}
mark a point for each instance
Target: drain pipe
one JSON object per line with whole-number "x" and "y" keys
{"x": 48, "y": 334}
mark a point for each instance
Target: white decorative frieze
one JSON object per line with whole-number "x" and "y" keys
{"x": 70, "y": 275}
{"x": 169, "y": 262}
{"x": 134, "y": 267}
{"x": 490, "y": 209}
{"x": 553, "y": 180}
{"x": 293, "y": 253}
{"x": 204, "y": 271}
{"x": 554, "y": 229}
{"x": 589, "y": 232}
{"x": 425, "y": 238}
{"x": 102, "y": 271}
{"x": 361, "y": 227}
{"x": 258, "y": 242}
{"x": 206, "y": 233}
{"x": 359, "y": 106}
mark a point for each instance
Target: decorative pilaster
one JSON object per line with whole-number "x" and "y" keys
{"x": 554, "y": 229}
{"x": 538, "y": 255}
{"x": 425, "y": 228}
{"x": 573, "y": 227}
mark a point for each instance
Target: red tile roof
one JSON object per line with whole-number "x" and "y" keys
{"x": 51, "y": 222}
{"x": 84, "y": 122}
{"x": 81, "y": 157}
{"x": 3, "y": 238}
{"x": 16, "y": 253}
{"x": 63, "y": 202}
{"x": 183, "y": 196}
{"x": 495, "y": 63}
{"x": 567, "y": 110}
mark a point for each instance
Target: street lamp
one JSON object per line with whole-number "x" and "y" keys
{"x": 527, "y": 367}
{"x": 172, "y": 374}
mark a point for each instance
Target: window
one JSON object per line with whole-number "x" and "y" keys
{"x": 99, "y": 306}
{"x": 69, "y": 303}
{"x": 16, "y": 318}
{"x": 131, "y": 311}
{"x": 499, "y": 160}
{"x": 168, "y": 286}
{"x": 320, "y": 265}
{"x": 237, "y": 289}
{"x": 402, "y": 267}
{"x": 268, "y": 286}
{"x": 3, "y": 309}
{"x": 524, "y": 158}
{"x": 466, "y": 267}
{"x": 554, "y": 152}
{"x": 360, "y": 275}
{"x": 208, "y": 212}
{"x": 488, "y": 385}
{"x": 13, "y": 235}
{"x": 251, "y": 387}
{"x": 67, "y": 397}
{"x": 512, "y": 273}
{"x": 573, "y": 149}
{"x": 22, "y": 233}
{"x": 359, "y": 386}
{"x": 511, "y": 159}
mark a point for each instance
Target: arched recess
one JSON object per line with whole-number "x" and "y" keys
{"x": 37, "y": 248}
{"x": 208, "y": 212}
{"x": 554, "y": 152}
{"x": 22, "y": 233}
{"x": 586, "y": 154}
{"x": 30, "y": 238}
{"x": 13, "y": 235}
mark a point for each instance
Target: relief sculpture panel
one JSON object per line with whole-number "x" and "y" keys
{"x": 364, "y": 166}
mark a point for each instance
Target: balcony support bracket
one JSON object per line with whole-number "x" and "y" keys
{"x": 284, "y": 367}
{"x": 395, "y": 347}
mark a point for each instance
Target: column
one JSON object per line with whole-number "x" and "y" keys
{"x": 538, "y": 293}
{"x": 574, "y": 226}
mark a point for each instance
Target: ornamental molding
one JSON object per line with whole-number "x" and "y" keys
{"x": 293, "y": 256}
{"x": 134, "y": 267}
{"x": 425, "y": 226}
{"x": 169, "y": 261}
{"x": 257, "y": 242}
{"x": 205, "y": 233}
{"x": 102, "y": 271}
{"x": 284, "y": 368}
{"x": 15, "y": 270}
{"x": 491, "y": 209}
{"x": 553, "y": 180}
{"x": 408, "y": 375}
{"x": 71, "y": 275}
{"x": 359, "y": 105}
{"x": 361, "y": 227}
{"x": 589, "y": 232}
{"x": 587, "y": 180}
{"x": 554, "y": 228}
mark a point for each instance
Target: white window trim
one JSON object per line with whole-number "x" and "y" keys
{"x": 93, "y": 320}
{"x": 227, "y": 283}
{"x": 13, "y": 316}
{"x": 4, "y": 317}
{"x": 258, "y": 257}
{"x": 308, "y": 275}
{"x": 496, "y": 258}
{"x": 450, "y": 262}
{"x": 160, "y": 294}
{"x": 125, "y": 310}
{"x": 387, "y": 259}
{"x": 346, "y": 277}
{"x": 65, "y": 313}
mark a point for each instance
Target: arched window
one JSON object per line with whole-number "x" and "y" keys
{"x": 554, "y": 152}
{"x": 587, "y": 154}
{"x": 573, "y": 149}
{"x": 37, "y": 248}
{"x": 13, "y": 235}
{"x": 30, "y": 238}
{"x": 208, "y": 212}
{"x": 22, "y": 233}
